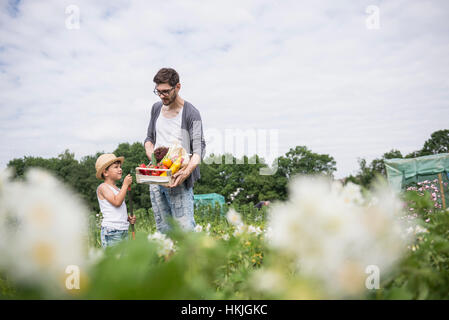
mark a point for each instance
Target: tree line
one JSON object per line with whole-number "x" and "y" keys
{"x": 238, "y": 180}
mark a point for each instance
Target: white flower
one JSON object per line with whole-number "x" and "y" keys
{"x": 351, "y": 193}
{"x": 253, "y": 229}
{"x": 234, "y": 217}
{"x": 333, "y": 236}
{"x": 240, "y": 229}
{"x": 269, "y": 233}
{"x": 225, "y": 237}
{"x": 165, "y": 244}
{"x": 198, "y": 228}
{"x": 94, "y": 256}
{"x": 268, "y": 281}
{"x": 157, "y": 236}
{"x": 43, "y": 228}
{"x": 419, "y": 229}
{"x": 208, "y": 227}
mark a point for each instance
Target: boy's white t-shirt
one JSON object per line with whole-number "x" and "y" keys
{"x": 168, "y": 130}
{"x": 113, "y": 217}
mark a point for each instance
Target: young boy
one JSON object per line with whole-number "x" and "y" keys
{"x": 114, "y": 227}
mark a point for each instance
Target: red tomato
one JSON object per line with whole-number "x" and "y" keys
{"x": 155, "y": 173}
{"x": 143, "y": 172}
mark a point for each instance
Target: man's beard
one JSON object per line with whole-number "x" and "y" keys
{"x": 171, "y": 100}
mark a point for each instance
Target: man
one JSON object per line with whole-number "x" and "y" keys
{"x": 262, "y": 203}
{"x": 174, "y": 120}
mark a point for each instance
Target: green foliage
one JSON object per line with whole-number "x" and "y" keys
{"x": 203, "y": 267}
{"x": 424, "y": 272}
{"x": 189, "y": 274}
{"x": 301, "y": 160}
{"x": 211, "y": 267}
{"x": 238, "y": 180}
{"x": 206, "y": 266}
{"x": 438, "y": 143}
{"x": 368, "y": 173}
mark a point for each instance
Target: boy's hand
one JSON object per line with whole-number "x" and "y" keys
{"x": 132, "y": 219}
{"x": 128, "y": 180}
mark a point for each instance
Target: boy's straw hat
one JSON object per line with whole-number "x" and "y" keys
{"x": 104, "y": 161}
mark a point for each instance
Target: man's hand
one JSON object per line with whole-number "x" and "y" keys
{"x": 180, "y": 176}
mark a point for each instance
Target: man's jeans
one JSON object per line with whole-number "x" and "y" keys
{"x": 172, "y": 203}
{"x": 111, "y": 237}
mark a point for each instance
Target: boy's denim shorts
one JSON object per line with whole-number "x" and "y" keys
{"x": 172, "y": 203}
{"x": 111, "y": 237}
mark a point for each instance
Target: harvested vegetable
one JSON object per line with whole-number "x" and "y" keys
{"x": 167, "y": 162}
{"x": 160, "y": 153}
{"x": 176, "y": 165}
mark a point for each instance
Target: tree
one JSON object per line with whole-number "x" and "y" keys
{"x": 367, "y": 173}
{"x": 303, "y": 161}
{"x": 299, "y": 160}
{"x": 238, "y": 180}
{"x": 438, "y": 143}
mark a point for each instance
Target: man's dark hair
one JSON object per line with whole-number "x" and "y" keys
{"x": 167, "y": 75}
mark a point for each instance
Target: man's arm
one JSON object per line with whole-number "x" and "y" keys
{"x": 150, "y": 139}
{"x": 185, "y": 172}
{"x": 149, "y": 149}
{"x": 193, "y": 163}
{"x": 196, "y": 127}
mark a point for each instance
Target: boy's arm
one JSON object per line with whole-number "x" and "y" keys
{"x": 115, "y": 200}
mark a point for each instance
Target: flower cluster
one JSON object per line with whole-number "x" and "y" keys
{"x": 334, "y": 234}
{"x": 166, "y": 247}
{"x": 235, "y": 193}
{"x": 255, "y": 230}
{"x": 428, "y": 186}
{"x": 43, "y": 228}
{"x": 199, "y": 228}
{"x": 235, "y": 219}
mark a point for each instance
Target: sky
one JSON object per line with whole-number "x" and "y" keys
{"x": 351, "y": 79}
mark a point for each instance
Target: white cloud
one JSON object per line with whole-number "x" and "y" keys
{"x": 311, "y": 70}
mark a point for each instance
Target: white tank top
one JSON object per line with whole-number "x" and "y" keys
{"x": 168, "y": 130}
{"x": 113, "y": 217}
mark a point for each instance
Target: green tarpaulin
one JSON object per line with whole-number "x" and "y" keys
{"x": 209, "y": 198}
{"x": 403, "y": 172}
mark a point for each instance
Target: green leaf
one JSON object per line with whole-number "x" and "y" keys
{"x": 399, "y": 294}
{"x": 153, "y": 159}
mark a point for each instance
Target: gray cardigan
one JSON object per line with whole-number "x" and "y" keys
{"x": 192, "y": 134}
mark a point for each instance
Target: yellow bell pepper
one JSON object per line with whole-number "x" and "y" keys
{"x": 175, "y": 166}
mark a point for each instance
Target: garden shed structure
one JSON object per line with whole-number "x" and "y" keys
{"x": 433, "y": 169}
